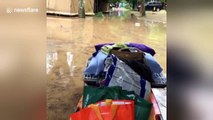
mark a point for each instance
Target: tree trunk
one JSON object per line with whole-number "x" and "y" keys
{"x": 81, "y": 10}
{"x": 134, "y": 5}
{"x": 143, "y": 8}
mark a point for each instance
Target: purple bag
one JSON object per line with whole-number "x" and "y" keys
{"x": 141, "y": 47}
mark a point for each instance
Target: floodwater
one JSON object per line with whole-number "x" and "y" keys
{"x": 70, "y": 43}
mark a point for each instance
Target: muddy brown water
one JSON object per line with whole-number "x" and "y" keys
{"x": 70, "y": 43}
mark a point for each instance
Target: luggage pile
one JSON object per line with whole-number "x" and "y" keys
{"x": 119, "y": 78}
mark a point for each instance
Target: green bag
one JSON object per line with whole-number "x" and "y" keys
{"x": 142, "y": 107}
{"x": 92, "y": 95}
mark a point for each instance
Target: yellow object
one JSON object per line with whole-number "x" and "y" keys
{"x": 108, "y": 102}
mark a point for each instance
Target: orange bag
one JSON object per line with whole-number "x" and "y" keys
{"x": 107, "y": 110}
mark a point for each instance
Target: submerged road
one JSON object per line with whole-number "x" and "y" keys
{"x": 70, "y": 43}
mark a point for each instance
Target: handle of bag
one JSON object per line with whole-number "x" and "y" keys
{"x": 108, "y": 103}
{"x": 130, "y": 49}
{"x": 97, "y": 111}
{"x": 124, "y": 49}
{"x": 113, "y": 111}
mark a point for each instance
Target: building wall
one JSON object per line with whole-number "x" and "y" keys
{"x": 70, "y": 6}
{"x": 74, "y": 6}
{"x": 59, "y": 5}
{"x": 89, "y": 6}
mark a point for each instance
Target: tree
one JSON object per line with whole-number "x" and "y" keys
{"x": 81, "y": 10}
{"x": 143, "y": 8}
{"x": 133, "y": 2}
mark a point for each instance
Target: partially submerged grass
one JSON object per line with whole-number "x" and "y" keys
{"x": 99, "y": 15}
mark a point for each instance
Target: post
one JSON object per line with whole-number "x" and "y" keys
{"x": 81, "y": 10}
{"x": 143, "y": 8}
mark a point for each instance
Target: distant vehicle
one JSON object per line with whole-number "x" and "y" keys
{"x": 154, "y": 6}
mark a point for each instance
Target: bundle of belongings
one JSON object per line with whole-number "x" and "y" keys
{"x": 131, "y": 61}
{"x": 119, "y": 78}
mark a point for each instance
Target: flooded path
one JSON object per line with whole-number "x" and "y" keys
{"x": 70, "y": 43}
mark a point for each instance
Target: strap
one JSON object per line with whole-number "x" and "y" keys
{"x": 124, "y": 49}
{"x": 97, "y": 111}
{"x": 114, "y": 110}
{"x": 108, "y": 103}
{"x": 113, "y": 107}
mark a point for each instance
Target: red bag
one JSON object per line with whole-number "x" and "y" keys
{"x": 107, "y": 110}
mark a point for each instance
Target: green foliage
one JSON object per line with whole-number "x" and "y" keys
{"x": 114, "y": 1}
{"x": 163, "y": 1}
{"x": 99, "y": 14}
{"x": 128, "y": 6}
{"x": 131, "y": 1}
{"x": 147, "y": 0}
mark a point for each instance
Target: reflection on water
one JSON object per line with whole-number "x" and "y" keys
{"x": 50, "y": 59}
{"x": 119, "y": 13}
{"x": 70, "y": 43}
{"x": 62, "y": 92}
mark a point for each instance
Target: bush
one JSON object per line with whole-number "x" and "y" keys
{"x": 99, "y": 14}
{"x": 127, "y": 6}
